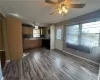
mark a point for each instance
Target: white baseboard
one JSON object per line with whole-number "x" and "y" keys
{"x": 81, "y": 57}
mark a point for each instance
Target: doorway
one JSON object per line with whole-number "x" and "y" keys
{"x": 59, "y": 38}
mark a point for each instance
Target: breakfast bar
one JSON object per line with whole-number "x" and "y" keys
{"x": 31, "y": 43}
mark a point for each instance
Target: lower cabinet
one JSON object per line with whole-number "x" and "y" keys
{"x": 31, "y": 44}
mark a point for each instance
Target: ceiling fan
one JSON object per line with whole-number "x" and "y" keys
{"x": 63, "y": 6}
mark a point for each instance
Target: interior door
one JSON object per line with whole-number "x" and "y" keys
{"x": 59, "y": 38}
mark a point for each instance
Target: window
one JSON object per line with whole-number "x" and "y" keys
{"x": 72, "y": 34}
{"x": 36, "y": 32}
{"x": 90, "y": 34}
{"x": 84, "y": 36}
{"x": 59, "y": 34}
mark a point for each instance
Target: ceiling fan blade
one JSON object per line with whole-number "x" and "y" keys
{"x": 76, "y": 5}
{"x": 50, "y": 2}
{"x": 68, "y": 2}
{"x": 60, "y": 1}
{"x": 53, "y": 12}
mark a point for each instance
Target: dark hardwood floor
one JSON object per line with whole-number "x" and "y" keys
{"x": 42, "y": 64}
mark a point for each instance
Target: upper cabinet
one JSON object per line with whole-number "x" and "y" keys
{"x": 27, "y": 30}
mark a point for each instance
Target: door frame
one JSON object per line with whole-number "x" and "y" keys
{"x": 62, "y": 39}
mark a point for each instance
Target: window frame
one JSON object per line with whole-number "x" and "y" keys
{"x": 79, "y": 47}
{"x": 72, "y": 34}
{"x": 36, "y": 33}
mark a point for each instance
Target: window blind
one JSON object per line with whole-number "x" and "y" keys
{"x": 36, "y": 32}
{"x": 84, "y": 36}
{"x": 72, "y": 34}
{"x": 90, "y": 34}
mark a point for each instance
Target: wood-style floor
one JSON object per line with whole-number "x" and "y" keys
{"x": 42, "y": 64}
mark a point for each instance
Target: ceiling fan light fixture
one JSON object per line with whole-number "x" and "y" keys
{"x": 63, "y": 10}
{"x": 66, "y": 10}
{"x": 60, "y": 11}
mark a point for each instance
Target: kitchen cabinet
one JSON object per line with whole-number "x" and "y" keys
{"x": 1, "y": 36}
{"x": 32, "y": 43}
{"x": 27, "y": 30}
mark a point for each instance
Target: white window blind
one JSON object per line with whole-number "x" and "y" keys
{"x": 90, "y": 34}
{"x": 72, "y": 34}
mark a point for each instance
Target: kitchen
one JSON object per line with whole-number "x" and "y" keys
{"x": 35, "y": 37}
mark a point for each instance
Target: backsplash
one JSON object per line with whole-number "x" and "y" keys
{"x": 27, "y": 36}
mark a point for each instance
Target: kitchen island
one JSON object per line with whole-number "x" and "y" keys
{"x": 31, "y": 43}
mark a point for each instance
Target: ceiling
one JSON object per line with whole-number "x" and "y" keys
{"x": 38, "y": 11}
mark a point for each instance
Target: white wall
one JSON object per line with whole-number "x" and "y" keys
{"x": 52, "y": 37}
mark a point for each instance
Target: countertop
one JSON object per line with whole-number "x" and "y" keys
{"x": 34, "y": 38}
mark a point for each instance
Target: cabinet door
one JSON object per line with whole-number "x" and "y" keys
{"x": 25, "y": 30}
{"x": 30, "y": 30}
{"x": 1, "y": 36}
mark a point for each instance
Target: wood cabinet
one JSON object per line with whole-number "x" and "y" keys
{"x": 1, "y": 36}
{"x": 12, "y": 28}
{"x": 31, "y": 44}
{"x": 27, "y": 30}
